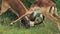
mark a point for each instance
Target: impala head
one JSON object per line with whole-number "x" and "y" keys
{"x": 33, "y": 16}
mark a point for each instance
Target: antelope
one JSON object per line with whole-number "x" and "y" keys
{"x": 17, "y": 7}
{"x": 48, "y": 8}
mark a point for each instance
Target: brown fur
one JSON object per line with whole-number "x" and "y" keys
{"x": 45, "y": 3}
{"x": 17, "y": 6}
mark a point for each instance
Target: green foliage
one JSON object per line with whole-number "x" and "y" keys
{"x": 27, "y": 3}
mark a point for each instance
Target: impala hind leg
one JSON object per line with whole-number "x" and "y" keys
{"x": 4, "y": 7}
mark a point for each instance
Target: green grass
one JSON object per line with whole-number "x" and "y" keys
{"x": 47, "y": 28}
{"x": 5, "y": 19}
{"x": 40, "y": 29}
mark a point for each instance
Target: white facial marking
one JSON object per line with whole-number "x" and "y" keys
{"x": 41, "y": 15}
{"x": 11, "y": 23}
{"x": 31, "y": 23}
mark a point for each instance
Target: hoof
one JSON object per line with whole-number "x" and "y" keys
{"x": 11, "y": 24}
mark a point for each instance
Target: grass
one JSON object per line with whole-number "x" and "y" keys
{"x": 36, "y": 30}
{"x": 5, "y": 19}
{"x": 40, "y": 29}
{"x": 47, "y": 28}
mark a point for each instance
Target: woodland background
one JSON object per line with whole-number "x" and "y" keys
{"x": 47, "y": 28}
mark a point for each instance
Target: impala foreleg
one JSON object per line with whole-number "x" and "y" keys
{"x": 55, "y": 20}
{"x": 27, "y": 13}
{"x": 56, "y": 14}
{"x": 52, "y": 18}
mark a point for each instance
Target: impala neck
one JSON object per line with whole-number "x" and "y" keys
{"x": 17, "y": 6}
